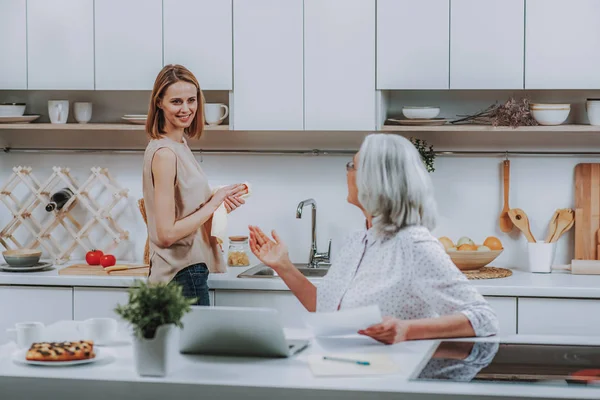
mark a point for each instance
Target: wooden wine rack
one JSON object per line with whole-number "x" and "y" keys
{"x": 41, "y": 230}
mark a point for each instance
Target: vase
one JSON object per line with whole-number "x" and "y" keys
{"x": 151, "y": 355}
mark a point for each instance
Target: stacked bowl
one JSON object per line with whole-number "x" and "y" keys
{"x": 550, "y": 114}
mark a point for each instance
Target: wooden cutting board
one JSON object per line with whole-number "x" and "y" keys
{"x": 587, "y": 210}
{"x": 97, "y": 270}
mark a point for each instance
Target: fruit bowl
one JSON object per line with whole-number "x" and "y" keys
{"x": 470, "y": 260}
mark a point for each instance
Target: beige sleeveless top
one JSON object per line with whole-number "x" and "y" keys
{"x": 191, "y": 192}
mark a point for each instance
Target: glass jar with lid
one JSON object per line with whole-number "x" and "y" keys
{"x": 239, "y": 252}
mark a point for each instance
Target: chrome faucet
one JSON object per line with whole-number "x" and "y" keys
{"x": 314, "y": 258}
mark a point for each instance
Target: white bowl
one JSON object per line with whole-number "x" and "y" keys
{"x": 420, "y": 112}
{"x": 547, "y": 106}
{"x": 12, "y": 109}
{"x": 550, "y": 116}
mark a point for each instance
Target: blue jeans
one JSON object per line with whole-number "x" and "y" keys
{"x": 194, "y": 282}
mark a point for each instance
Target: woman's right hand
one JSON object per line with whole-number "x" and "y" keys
{"x": 273, "y": 253}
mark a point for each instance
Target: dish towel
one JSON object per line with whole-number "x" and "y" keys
{"x": 219, "y": 220}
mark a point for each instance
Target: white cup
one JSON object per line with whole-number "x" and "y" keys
{"x": 593, "y": 111}
{"x": 83, "y": 112}
{"x": 541, "y": 256}
{"x": 213, "y": 114}
{"x": 26, "y": 333}
{"x": 100, "y": 330}
{"x": 58, "y": 111}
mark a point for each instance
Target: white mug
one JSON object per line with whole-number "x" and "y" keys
{"x": 100, "y": 330}
{"x": 541, "y": 256}
{"x": 26, "y": 333}
{"x": 83, "y": 112}
{"x": 58, "y": 111}
{"x": 592, "y": 106}
{"x": 213, "y": 114}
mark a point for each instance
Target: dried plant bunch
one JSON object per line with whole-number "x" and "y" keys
{"x": 426, "y": 151}
{"x": 512, "y": 113}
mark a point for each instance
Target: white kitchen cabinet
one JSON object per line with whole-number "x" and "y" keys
{"x": 487, "y": 38}
{"x": 268, "y": 65}
{"x": 60, "y": 44}
{"x": 413, "y": 44}
{"x": 97, "y": 302}
{"x": 208, "y": 51}
{"x": 290, "y": 309}
{"x": 506, "y": 311}
{"x": 128, "y": 46}
{"x": 33, "y": 304}
{"x": 543, "y": 316}
{"x": 562, "y": 47}
{"x": 339, "y": 65}
{"x": 13, "y": 45}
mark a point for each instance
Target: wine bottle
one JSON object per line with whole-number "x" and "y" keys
{"x": 59, "y": 199}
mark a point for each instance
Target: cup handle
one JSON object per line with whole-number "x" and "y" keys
{"x": 226, "y": 112}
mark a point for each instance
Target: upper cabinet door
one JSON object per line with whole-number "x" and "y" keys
{"x": 413, "y": 44}
{"x": 268, "y": 65}
{"x": 198, "y": 35}
{"x": 60, "y": 50}
{"x": 562, "y": 46}
{"x": 13, "y": 46}
{"x": 129, "y": 43}
{"x": 339, "y": 64}
{"x": 486, "y": 44}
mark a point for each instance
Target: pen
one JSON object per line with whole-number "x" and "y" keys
{"x": 346, "y": 360}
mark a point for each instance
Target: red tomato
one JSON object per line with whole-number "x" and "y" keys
{"x": 108, "y": 260}
{"x": 92, "y": 257}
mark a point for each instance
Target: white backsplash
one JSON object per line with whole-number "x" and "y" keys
{"x": 468, "y": 193}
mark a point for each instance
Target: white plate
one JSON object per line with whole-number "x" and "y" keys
{"x": 16, "y": 120}
{"x": 139, "y": 121}
{"x": 432, "y": 121}
{"x": 135, "y": 116}
{"x": 38, "y": 267}
{"x": 19, "y": 357}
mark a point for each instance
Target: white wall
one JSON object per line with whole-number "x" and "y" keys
{"x": 468, "y": 192}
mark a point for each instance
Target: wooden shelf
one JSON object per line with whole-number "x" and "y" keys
{"x": 89, "y": 127}
{"x": 489, "y": 128}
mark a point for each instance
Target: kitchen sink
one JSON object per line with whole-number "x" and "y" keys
{"x": 262, "y": 271}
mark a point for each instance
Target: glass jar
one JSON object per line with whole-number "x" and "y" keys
{"x": 239, "y": 252}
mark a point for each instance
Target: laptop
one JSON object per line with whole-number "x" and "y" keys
{"x": 236, "y": 331}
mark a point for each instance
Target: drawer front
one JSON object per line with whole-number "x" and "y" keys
{"x": 559, "y": 317}
{"x": 506, "y": 310}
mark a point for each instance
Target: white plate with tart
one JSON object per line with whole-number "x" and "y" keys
{"x": 59, "y": 354}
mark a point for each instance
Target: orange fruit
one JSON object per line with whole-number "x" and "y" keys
{"x": 467, "y": 247}
{"x": 493, "y": 243}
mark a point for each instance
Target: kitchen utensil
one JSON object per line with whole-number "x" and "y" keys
{"x": 101, "y": 330}
{"x": 541, "y": 256}
{"x": 420, "y": 112}
{"x": 34, "y": 268}
{"x": 83, "y": 112}
{"x": 506, "y": 224}
{"x": 580, "y": 267}
{"x": 472, "y": 260}
{"x": 215, "y": 113}
{"x": 120, "y": 267}
{"x": 519, "y": 218}
{"x": 432, "y": 121}
{"x": 22, "y": 257}
{"x": 12, "y": 109}
{"x": 551, "y": 226}
{"x": 18, "y": 120}
{"x": 592, "y": 107}
{"x": 19, "y": 356}
{"x": 587, "y": 219}
{"x": 98, "y": 270}
{"x": 564, "y": 222}
{"x": 26, "y": 333}
{"x": 58, "y": 111}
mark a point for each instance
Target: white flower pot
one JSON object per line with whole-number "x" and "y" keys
{"x": 151, "y": 355}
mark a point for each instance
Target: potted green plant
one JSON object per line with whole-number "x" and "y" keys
{"x": 153, "y": 310}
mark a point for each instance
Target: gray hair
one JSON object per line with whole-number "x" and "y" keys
{"x": 393, "y": 185}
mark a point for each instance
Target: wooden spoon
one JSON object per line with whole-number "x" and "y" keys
{"x": 564, "y": 222}
{"x": 552, "y": 226}
{"x": 519, "y": 218}
{"x": 506, "y": 224}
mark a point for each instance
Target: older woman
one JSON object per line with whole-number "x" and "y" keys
{"x": 395, "y": 263}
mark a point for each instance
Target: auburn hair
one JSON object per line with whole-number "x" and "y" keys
{"x": 155, "y": 123}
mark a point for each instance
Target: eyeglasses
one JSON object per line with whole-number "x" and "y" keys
{"x": 350, "y": 166}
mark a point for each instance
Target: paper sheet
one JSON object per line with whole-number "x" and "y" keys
{"x": 381, "y": 364}
{"x": 343, "y": 322}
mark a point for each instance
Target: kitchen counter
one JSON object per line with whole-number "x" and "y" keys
{"x": 520, "y": 284}
{"x": 235, "y": 378}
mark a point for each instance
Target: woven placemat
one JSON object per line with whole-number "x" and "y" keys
{"x": 488, "y": 273}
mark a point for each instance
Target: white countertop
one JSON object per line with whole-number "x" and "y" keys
{"x": 523, "y": 284}
{"x": 233, "y": 377}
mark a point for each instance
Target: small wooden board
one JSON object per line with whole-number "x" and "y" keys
{"x": 98, "y": 270}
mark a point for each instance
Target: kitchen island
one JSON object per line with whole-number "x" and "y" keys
{"x": 212, "y": 377}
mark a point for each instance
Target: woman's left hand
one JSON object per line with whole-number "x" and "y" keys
{"x": 232, "y": 202}
{"x": 390, "y": 331}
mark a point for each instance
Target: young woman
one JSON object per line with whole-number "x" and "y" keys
{"x": 395, "y": 262}
{"x": 178, "y": 200}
